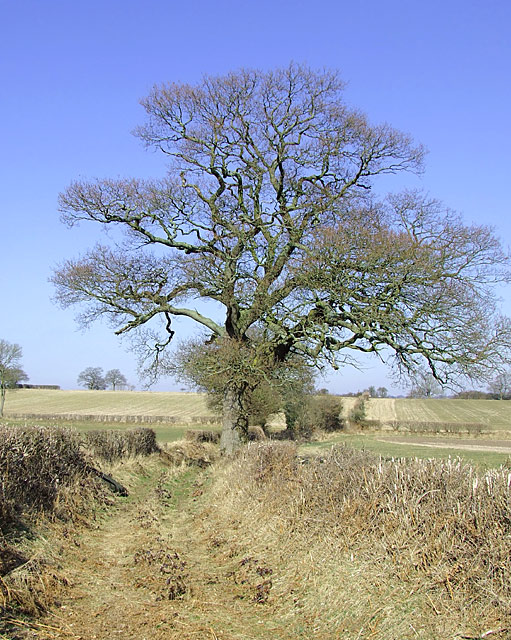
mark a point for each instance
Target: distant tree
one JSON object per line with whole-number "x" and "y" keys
{"x": 11, "y": 372}
{"x": 382, "y": 392}
{"x": 268, "y": 211}
{"x": 92, "y": 378}
{"x": 425, "y": 385}
{"x": 372, "y": 391}
{"x": 500, "y": 386}
{"x": 115, "y": 379}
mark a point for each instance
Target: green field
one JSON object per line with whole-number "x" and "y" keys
{"x": 412, "y": 447}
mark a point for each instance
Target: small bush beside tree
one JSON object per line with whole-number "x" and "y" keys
{"x": 358, "y": 414}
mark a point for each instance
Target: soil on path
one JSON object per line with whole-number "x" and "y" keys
{"x": 143, "y": 575}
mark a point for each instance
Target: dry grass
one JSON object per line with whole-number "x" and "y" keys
{"x": 189, "y": 452}
{"x": 47, "y": 495}
{"x": 268, "y": 544}
{"x": 43, "y": 470}
{"x": 369, "y": 548}
{"x": 45, "y": 491}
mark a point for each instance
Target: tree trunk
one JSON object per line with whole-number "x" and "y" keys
{"x": 2, "y": 400}
{"x": 234, "y": 420}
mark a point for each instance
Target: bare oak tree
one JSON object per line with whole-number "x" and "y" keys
{"x": 92, "y": 378}
{"x": 425, "y": 385}
{"x": 11, "y": 372}
{"x": 500, "y": 385}
{"x": 115, "y": 379}
{"x": 268, "y": 210}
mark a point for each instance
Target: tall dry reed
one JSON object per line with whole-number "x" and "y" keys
{"x": 437, "y": 532}
{"x": 35, "y": 464}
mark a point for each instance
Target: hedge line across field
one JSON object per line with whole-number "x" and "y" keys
{"x": 145, "y": 419}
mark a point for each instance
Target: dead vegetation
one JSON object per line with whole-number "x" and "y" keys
{"x": 36, "y": 464}
{"x": 167, "y": 569}
{"x": 202, "y": 435}
{"x": 269, "y": 544}
{"x": 45, "y": 480}
{"x": 200, "y": 453}
{"x": 49, "y": 489}
{"x": 357, "y": 543}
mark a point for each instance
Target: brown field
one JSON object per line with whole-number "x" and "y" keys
{"x": 484, "y": 415}
{"x": 490, "y": 415}
{"x": 107, "y": 405}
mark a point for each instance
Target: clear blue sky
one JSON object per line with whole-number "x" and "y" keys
{"x": 72, "y": 73}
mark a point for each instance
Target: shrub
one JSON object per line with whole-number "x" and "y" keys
{"x": 202, "y": 435}
{"x": 256, "y": 433}
{"x": 112, "y": 444}
{"x": 322, "y": 412}
{"x": 358, "y": 414}
{"x": 417, "y": 426}
{"x": 327, "y": 413}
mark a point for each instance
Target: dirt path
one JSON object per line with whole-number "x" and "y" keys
{"x": 140, "y": 575}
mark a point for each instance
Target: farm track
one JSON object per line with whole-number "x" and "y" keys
{"x": 140, "y": 575}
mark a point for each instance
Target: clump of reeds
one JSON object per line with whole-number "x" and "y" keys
{"x": 437, "y": 517}
{"x": 35, "y": 464}
{"x": 114, "y": 444}
{"x": 438, "y": 529}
